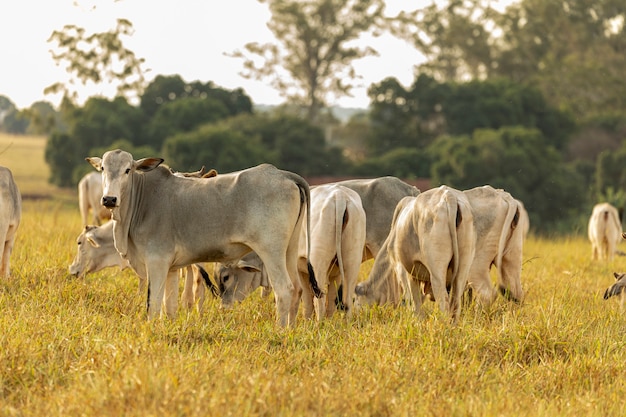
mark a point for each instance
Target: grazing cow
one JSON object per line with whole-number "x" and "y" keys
{"x": 240, "y": 278}
{"x": 604, "y": 230}
{"x": 617, "y": 288}
{"x": 500, "y": 223}
{"x": 10, "y": 216}
{"x": 432, "y": 241}
{"x": 163, "y": 223}
{"x": 96, "y": 251}
{"x": 89, "y": 195}
{"x": 379, "y": 197}
{"x": 337, "y": 241}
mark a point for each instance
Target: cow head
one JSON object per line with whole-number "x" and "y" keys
{"x": 117, "y": 167}
{"x": 96, "y": 251}
{"x": 238, "y": 280}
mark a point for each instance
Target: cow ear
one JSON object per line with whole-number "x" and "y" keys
{"x": 248, "y": 267}
{"x": 148, "y": 164}
{"x": 212, "y": 173}
{"x": 95, "y": 161}
{"x": 93, "y": 242}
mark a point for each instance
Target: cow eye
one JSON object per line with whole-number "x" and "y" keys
{"x": 127, "y": 170}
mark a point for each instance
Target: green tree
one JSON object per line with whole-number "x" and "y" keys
{"x": 214, "y": 146}
{"x": 516, "y": 159}
{"x": 97, "y": 124}
{"x": 182, "y": 115}
{"x": 453, "y": 37}
{"x": 314, "y": 58}
{"x": 97, "y": 58}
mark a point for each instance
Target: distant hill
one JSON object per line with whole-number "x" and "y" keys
{"x": 342, "y": 113}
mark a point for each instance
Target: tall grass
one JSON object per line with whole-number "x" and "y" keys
{"x": 71, "y": 347}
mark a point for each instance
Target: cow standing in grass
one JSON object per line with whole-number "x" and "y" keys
{"x": 164, "y": 222}
{"x": 10, "y": 216}
{"x": 431, "y": 244}
{"x": 89, "y": 195}
{"x": 604, "y": 230}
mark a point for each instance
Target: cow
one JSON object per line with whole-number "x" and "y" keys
{"x": 431, "y": 242}
{"x": 604, "y": 231}
{"x": 238, "y": 279}
{"x": 337, "y": 238}
{"x": 89, "y": 195}
{"x": 501, "y": 223}
{"x": 617, "y": 289}
{"x": 10, "y": 216}
{"x": 379, "y": 197}
{"x": 338, "y": 224}
{"x": 96, "y": 251}
{"x": 163, "y": 222}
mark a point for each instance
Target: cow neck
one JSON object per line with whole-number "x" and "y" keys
{"x": 128, "y": 213}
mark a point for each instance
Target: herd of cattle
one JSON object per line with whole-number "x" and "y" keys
{"x": 265, "y": 227}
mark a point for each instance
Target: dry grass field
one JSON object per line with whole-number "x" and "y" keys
{"x": 71, "y": 347}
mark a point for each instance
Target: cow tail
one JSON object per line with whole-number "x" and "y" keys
{"x": 305, "y": 194}
{"x": 340, "y": 212}
{"x": 207, "y": 280}
{"x": 512, "y": 213}
{"x": 454, "y": 220}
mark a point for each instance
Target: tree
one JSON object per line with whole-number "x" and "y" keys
{"x": 315, "y": 53}
{"x": 453, "y": 37}
{"x": 516, "y": 159}
{"x": 96, "y": 58}
{"x": 214, "y": 146}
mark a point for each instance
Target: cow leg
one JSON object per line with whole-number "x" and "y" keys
{"x": 284, "y": 290}
{"x": 306, "y": 293}
{"x": 188, "y": 293}
{"x": 438, "y": 284}
{"x": 170, "y": 296}
{"x": 157, "y": 271}
{"x": 199, "y": 290}
{"x": 5, "y": 268}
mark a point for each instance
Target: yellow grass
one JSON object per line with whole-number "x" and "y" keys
{"x": 72, "y": 347}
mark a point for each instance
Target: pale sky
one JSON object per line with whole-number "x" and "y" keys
{"x": 184, "y": 37}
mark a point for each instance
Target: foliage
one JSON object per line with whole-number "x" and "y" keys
{"x": 415, "y": 117}
{"x": 515, "y": 159}
{"x": 213, "y": 146}
{"x": 164, "y": 89}
{"x": 399, "y": 162}
{"x": 97, "y": 58}
{"x": 315, "y": 55}
{"x": 572, "y": 51}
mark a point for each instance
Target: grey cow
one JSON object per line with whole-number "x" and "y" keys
{"x": 164, "y": 222}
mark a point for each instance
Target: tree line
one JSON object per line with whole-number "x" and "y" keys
{"x": 529, "y": 99}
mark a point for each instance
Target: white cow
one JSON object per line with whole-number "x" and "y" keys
{"x": 501, "y": 223}
{"x": 432, "y": 241}
{"x": 379, "y": 197}
{"x": 89, "y": 195}
{"x": 604, "y": 230}
{"x": 96, "y": 251}
{"x": 163, "y": 223}
{"x": 337, "y": 241}
{"x": 10, "y": 216}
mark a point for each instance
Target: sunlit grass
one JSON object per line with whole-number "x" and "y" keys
{"x": 72, "y": 347}
{"x": 84, "y": 347}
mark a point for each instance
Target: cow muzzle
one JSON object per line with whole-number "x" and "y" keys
{"x": 108, "y": 201}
